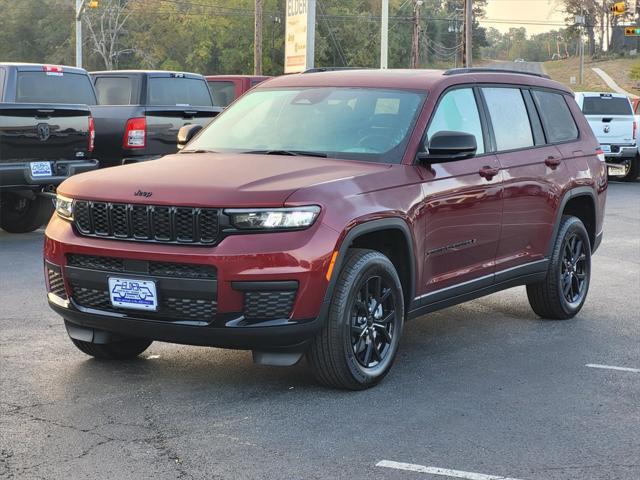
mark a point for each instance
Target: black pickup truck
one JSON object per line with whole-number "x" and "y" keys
{"x": 46, "y": 135}
{"x": 139, "y": 112}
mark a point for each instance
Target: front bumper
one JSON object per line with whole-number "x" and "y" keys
{"x": 246, "y": 294}
{"x": 18, "y": 174}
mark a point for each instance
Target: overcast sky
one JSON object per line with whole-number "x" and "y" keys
{"x": 544, "y": 15}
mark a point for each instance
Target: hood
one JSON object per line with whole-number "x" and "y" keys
{"x": 213, "y": 179}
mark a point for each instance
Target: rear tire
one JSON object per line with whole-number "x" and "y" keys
{"x": 634, "y": 170}
{"x": 562, "y": 293}
{"x": 359, "y": 340}
{"x": 19, "y": 214}
{"x": 122, "y": 350}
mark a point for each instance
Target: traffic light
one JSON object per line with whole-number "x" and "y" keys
{"x": 632, "y": 31}
{"x": 618, "y": 8}
{"x": 93, "y": 4}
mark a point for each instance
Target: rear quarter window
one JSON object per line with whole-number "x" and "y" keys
{"x": 69, "y": 88}
{"x": 114, "y": 90}
{"x": 556, "y": 117}
{"x": 178, "y": 91}
{"x": 604, "y": 105}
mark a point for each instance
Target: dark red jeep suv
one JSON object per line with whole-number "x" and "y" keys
{"x": 321, "y": 211}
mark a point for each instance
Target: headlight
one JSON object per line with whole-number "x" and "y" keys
{"x": 64, "y": 207}
{"x": 273, "y": 218}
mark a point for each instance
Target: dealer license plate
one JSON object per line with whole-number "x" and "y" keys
{"x": 133, "y": 293}
{"x": 41, "y": 169}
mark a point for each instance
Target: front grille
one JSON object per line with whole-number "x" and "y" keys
{"x": 56, "y": 283}
{"x": 147, "y": 223}
{"x": 160, "y": 269}
{"x": 266, "y": 305}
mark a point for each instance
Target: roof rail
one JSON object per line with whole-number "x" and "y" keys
{"x": 457, "y": 71}
{"x": 333, "y": 69}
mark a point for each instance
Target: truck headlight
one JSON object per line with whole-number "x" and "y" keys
{"x": 64, "y": 207}
{"x": 293, "y": 218}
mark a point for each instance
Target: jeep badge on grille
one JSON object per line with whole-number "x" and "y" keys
{"x": 140, "y": 193}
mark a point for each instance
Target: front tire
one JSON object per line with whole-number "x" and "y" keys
{"x": 359, "y": 340}
{"x": 562, "y": 293}
{"x": 123, "y": 350}
{"x": 19, "y": 214}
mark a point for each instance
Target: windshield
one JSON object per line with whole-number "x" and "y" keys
{"x": 606, "y": 106}
{"x": 348, "y": 123}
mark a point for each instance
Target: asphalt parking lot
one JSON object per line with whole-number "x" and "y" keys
{"x": 484, "y": 388}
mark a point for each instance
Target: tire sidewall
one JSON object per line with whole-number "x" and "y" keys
{"x": 377, "y": 265}
{"x": 574, "y": 226}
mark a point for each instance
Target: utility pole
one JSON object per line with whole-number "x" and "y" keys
{"x": 468, "y": 38}
{"x": 79, "y": 8}
{"x": 384, "y": 35}
{"x": 257, "y": 39}
{"x": 580, "y": 22}
{"x": 415, "y": 39}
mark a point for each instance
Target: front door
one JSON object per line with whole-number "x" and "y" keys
{"x": 462, "y": 206}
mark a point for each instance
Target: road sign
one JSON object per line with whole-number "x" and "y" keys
{"x": 300, "y": 35}
{"x": 618, "y": 8}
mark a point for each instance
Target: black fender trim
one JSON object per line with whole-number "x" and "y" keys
{"x": 391, "y": 223}
{"x": 571, "y": 194}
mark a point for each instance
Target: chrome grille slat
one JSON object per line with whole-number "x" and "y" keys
{"x": 147, "y": 223}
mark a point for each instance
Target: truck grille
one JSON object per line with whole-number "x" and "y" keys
{"x": 146, "y": 223}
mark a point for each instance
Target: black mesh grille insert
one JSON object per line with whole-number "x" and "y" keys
{"x": 265, "y": 305}
{"x": 150, "y": 223}
{"x": 56, "y": 283}
{"x": 161, "y": 269}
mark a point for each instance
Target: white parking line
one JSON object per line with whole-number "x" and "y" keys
{"x": 610, "y": 367}
{"x": 445, "y": 472}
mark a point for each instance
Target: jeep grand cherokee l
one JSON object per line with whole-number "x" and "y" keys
{"x": 321, "y": 211}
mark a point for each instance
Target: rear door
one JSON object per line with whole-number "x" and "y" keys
{"x": 533, "y": 172}
{"x": 611, "y": 119}
{"x": 172, "y": 101}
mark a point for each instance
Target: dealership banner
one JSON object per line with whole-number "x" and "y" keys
{"x": 300, "y": 35}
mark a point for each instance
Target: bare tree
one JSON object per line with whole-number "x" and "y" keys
{"x": 106, "y": 25}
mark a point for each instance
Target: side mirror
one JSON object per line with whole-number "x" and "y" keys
{"x": 447, "y": 146}
{"x": 186, "y": 133}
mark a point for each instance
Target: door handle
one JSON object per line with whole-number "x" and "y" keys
{"x": 488, "y": 172}
{"x": 552, "y": 162}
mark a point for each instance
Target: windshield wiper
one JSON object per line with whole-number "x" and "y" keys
{"x": 295, "y": 153}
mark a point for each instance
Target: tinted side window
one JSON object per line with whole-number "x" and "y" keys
{"x": 556, "y": 117}
{"x": 178, "y": 91}
{"x": 45, "y": 87}
{"x": 113, "y": 90}
{"x": 509, "y": 118}
{"x": 458, "y": 112}
{"x": 2, "y": 75}
{"x": 223, "y": 92}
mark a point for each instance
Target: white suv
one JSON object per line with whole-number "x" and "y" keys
{"x": 614, "y": 125}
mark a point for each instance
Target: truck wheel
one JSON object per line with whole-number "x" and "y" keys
{"x": 122, "y": 350}
{"x": 359, "y": 340}
{"x": 20, "y": 214}
{"x": 633, "y": 171}
{"x": 562, "y": 293}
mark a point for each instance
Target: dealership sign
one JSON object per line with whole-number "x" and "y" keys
{"x": 300, "y": 35}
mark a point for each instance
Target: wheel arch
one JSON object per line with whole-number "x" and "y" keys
{"x": 579, "y": 202}
{"x": 367, "y": 235}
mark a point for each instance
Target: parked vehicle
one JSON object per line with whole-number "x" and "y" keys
{"x": 46, "y": 135}
{"x": 321, "y": 211}
{"x": 139, "y": 112}
{"x": 611, "y": 118}
{"x": 226, "y": 88}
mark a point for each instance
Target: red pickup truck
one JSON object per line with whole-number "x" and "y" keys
{"x": 226, "y": 88}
